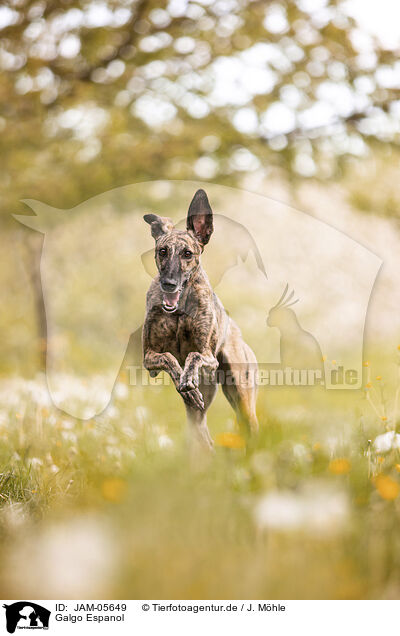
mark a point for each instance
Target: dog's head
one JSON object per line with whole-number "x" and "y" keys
{"x": 178, "y": 252}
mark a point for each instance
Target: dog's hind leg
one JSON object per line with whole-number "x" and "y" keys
{"x": 239, "y": 366}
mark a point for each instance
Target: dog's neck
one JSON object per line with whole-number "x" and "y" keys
{"x": 197, "y": 290}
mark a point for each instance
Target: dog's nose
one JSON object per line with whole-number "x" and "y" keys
{"x": 169, "y": 284}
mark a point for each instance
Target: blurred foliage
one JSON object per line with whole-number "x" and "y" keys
{"x": 94, "y": 96}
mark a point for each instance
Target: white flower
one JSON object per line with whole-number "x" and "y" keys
{"x": 14, "y": 515}
{"x": 67, "y": 424}
{"x": 317, "y": 510}
{"x": 142, "y": 413}
{"x": 385, "y": 442}
{"x": 35, "y": 462}
{"x": 129, "y": 432}
{"x": 76, "y": 558}
{"x": 165, "y": 442}
{"x": 112, "y": 412}
{"x": 114, "y": 452}
{"x": 69, "y": 437}
{"x": 121, "y": 391}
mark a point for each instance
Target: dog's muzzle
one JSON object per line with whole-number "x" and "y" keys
{"x": 170, "y": 300}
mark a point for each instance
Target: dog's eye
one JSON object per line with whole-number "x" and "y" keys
{"x": 187, "y": 254}
{"x": 162, "y": 251}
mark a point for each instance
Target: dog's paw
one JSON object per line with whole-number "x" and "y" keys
{"x": 188, "y": 383}
{"x": 193, "y": 398}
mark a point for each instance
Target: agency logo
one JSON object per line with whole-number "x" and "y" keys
{"x": 26, "y": 615}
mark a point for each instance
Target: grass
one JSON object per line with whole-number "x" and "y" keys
{"x": 113, "y": 508}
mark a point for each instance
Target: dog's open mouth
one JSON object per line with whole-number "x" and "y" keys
{"x": 170, "y": 301}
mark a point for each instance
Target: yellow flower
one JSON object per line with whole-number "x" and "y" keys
{"x": 113, "y": 489}
{"x": 398, "y": 347}
{"x": 230, "y": 440}
{"x": 387, "y": 487}
{"x": 397, "y": 467}
{"x": 380, "y": 460}
{"x": 323, "y": 358}
{"x": 333, "y": 361}
{"x": 366, "y": 363}
{"x": 316, "y": 446}
{"x": 368, "y": 385}
{"x": 379, "y": 377}
{"x": 384, "y": 418}
{"x": 340, "y": 466}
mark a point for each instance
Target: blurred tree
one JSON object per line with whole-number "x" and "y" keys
{"x": 99, "y": 94}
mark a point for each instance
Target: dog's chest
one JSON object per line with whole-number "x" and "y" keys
{"x": 174, "y": 334}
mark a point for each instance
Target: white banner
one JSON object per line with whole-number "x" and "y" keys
{"x": 193, "y": 617}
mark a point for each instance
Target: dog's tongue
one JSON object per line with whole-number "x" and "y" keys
{"x": 171, "y": 300}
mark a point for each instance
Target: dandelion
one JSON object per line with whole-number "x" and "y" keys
{"x": 230, "y": 440}
{"x": 324, "y": 358}
{"x": 387, "y": 487}
{"x": 366, "y": 363}
{"x": 340, "y": 466}
{"x": 114, "y": 489}
{"x": 379, "y": 377}
{"x": 380, "y": 460}
{"x": 368, "y": 385}
{"x": 384, "y": 418}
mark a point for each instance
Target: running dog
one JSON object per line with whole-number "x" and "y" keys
{"x": 187, "y": 332}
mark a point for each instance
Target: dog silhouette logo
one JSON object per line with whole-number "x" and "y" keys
{"x": 97, "y": 262}
{"x": 26, "y": 615}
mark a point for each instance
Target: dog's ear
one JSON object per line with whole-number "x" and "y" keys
{"x": 159, "y": 224}
{"x": 200, "y": 217}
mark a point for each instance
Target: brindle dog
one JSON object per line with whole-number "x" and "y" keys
{"x": 187, "y": 332}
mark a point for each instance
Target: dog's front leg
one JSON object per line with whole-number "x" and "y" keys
{"x": 155, "y": 362}
{"x": 194, "y": 362}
